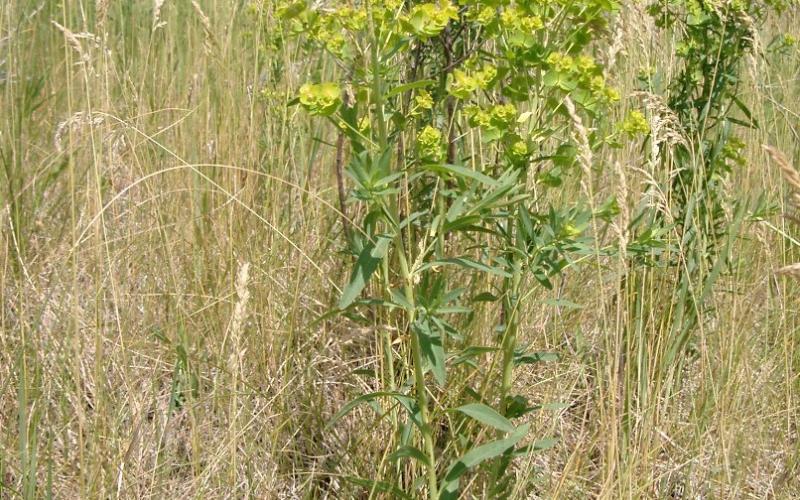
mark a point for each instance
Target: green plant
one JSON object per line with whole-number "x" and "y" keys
{"x": 707, "y": 100}
{"x": 122, "y": 371}
{"x": 459, "y": 118}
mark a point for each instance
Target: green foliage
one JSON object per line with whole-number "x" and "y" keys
{"x": 716, "y": 37}
{"x": 146, "y": 149}
{"x": 425, "y": 79}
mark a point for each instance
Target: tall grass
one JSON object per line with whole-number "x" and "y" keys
{"x": 172, "y": 235}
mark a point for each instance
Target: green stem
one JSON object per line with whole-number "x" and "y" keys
{"x": 377, "y": 82}
{"x": 512, "y": 304}
{"x": 419, "y": 376}
{"x": 509, "y": 342}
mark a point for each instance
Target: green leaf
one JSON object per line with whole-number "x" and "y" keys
{"x": 467, "y": 263}
{"x": 534, "y": 357}
{"x": 753, "y": 123}
{"x": 406, "y": 401}
{"x": 410, "y": 452}
{"x": 460, "y": 171}
{"x": 485, "y": 297}
{"x": 409, "y": 86}
{"x": 399, "y": 298}
{"x": 742, "y": 123}
{"x": 553, "y": 406}
{"x": 538, "y": 445}
{"x": 517, "y": 406}
{"x": 487, "y": 415}
{"x": 367, "y": 263}
{"x": 468, "y": 353}
{"x": 559, "y": 79}
{"x": 478, "y": 455}
{"x": 432, "y": 349}
{"x": 378, "y": 486}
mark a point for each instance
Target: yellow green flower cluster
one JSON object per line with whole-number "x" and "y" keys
{"x": 461, "y": 84}
{"x": 478, "y": 117}
{"x": 320, "y": 99}
{"x": 504, "y": 115}
{"x": 634, "y": 124}
{"x": 429, "y": 143}
{"x": 497, "y": 122}
{"x": 519, "y": 150}
{"x": 429, "y": 19}
{"x": 521, "y": 27}
{"x": 569, "y": 71}
{"x": 482, "y": 15}
{"x": 424, "y": 100}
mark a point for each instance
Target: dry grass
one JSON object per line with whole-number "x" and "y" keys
{"x": 169, "y": 238}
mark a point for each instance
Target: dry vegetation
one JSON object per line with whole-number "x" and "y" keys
{"x": 170, "y": 237}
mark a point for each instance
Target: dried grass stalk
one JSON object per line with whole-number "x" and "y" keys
{"x": 580, "y": 135}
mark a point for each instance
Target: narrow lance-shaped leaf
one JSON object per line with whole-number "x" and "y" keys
{"x": 410, "y": 452}
{"x": 465, "y": 262}
{"x": 538, "y": 445}
{"x": 367, "y": 263}
{"x": 475, "y": 457}
{"x": 430, "y": 342}
{"x": 406, "y": 401}
{"x": 488, "y": 416}
{"x": 409, "y": 86}
{"x": 463, "y": 172}
{"x": 382, "y": 486}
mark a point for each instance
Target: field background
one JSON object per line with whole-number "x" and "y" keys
{"x": 168, "y": 238}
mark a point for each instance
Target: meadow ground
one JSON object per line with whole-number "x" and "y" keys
{"x": 169, "y": 238}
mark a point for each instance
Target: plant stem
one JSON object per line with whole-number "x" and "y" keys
{"x": 509, "y": 342}
{"x": 419, "y": 375}
{"x": 511, "y": 304}
{"x": 377, "y": 82}
{"x": 339, "y": 169}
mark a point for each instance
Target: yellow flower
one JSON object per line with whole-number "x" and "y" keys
{"x": 531, "y": 23}
{"x": 519, "y": 149}
{"x": 320, "y": 99}
{"x": 561, "y": 62}
{"x": 486, "y": 76}
{"x": 478, "y": 117}
{"x": 503, "y": 115}
{"x": 485, "y": 16}
{"x": 429, "y": 141}
{"x": 586, "y": 64}
{"x": 635, "y": 123}
{"x": 424, "y": 99}
{"x": 461, "y": 85}
{"x": 429, "y": 19}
